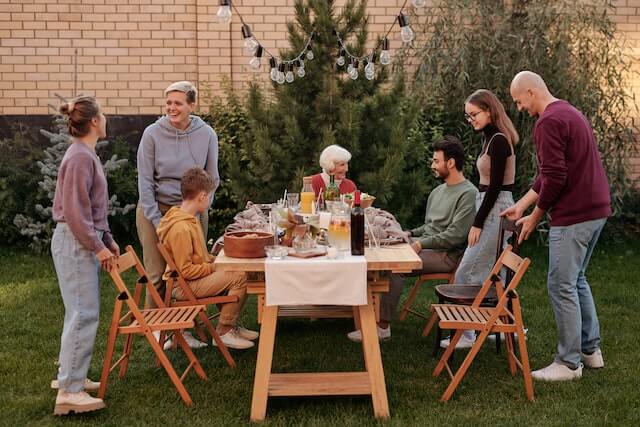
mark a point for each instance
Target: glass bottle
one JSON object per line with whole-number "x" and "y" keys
{"x": 332, "y": 192}
{"x": 307, "y": 196}
{"x": 357, "y": 227}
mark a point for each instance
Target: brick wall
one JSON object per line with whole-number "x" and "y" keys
{"x": 130, "y": 50}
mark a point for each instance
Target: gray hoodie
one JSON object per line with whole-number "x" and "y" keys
{"x": 164, "y": 155}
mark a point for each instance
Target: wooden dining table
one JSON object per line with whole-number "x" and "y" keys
{"x": 399, "y": 258}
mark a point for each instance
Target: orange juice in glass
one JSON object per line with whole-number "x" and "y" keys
{"x": 340, "y": 231}
{"x": 306, "y": 202}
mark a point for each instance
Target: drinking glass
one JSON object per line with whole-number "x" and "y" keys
{"x": 292, "y": 201}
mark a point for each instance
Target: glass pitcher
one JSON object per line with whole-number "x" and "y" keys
{"x": 339, "y": 231}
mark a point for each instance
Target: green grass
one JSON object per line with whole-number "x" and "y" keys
{"x": 32, "y": 314}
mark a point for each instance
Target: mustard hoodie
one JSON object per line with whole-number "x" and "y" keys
{"x": 181, "y": 233}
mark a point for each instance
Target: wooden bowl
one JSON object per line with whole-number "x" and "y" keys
{"x": 247, "y": 244}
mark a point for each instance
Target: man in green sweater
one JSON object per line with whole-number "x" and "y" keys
{"x": 440, "y": 242}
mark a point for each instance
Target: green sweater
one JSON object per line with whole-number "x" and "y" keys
{"x": 448, "y": 218}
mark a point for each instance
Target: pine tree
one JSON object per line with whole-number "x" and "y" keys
{"x": 287, "y": 130}
{"x": 40, "y": 231}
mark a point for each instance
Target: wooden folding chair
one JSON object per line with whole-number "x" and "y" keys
{"x": 487, "y": 320}
{"x": 176, "y": 279}
{"x": 145, "y": 322}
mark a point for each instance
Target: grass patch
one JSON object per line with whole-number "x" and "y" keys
{"x": 32, "y": 314}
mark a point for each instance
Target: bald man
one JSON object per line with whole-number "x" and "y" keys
{"x": 572, "y": 188}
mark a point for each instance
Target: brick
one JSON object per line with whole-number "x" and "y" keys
{"x": 12, "y": 42}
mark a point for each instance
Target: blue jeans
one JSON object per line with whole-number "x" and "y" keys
{"x": 478, "y": 260}
{"x": 570, "y": 249}
{"x": 77, "y": 270}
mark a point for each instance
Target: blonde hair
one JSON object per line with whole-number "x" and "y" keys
{"x": 185, "y": 87}
{"x": 488, "y": 101}
{"x": 332, "y": 155}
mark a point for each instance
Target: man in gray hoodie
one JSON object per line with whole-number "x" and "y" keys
{"x": 169, "y": 147}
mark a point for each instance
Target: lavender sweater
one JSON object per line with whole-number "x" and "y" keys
{"x": 81, "y": 197}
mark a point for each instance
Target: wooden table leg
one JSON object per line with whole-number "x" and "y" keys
{"x": 373, "y": 358}
{"x": 263, "y": 363}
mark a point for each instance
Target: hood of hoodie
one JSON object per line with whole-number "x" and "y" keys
{"x": 172, "y": 217}
{"x": 194, "y": 125}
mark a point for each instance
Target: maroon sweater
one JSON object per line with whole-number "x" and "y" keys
{"x": 82, "y": 198}
{"x": 571, "y": 183}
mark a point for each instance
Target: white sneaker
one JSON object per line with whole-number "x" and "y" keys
{"x": 384, "y": 334}
{"x": 88, "y": 385}
{"x": 247, "y": 334}
{"x": 557, "y": 372}
{"x": 492, "y": 337}
{"x": 76, "y": 402}
{"x": 463, "y": 342}
{"x": 594, "y": 360}
{"x": 191, "y": 341}
{"x": 232, "y": 339}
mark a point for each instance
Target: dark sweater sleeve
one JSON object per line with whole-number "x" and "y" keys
{"x": 553, "y": 164}
{"x": 499, "y": 150}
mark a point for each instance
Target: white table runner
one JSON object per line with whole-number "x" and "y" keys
{"x": 317, "y": 281}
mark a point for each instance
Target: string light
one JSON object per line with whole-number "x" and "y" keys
{"x": 255, "y": 61}
{"x": 274, "y": 69}
{"x": 385, "y": 56}
{"x": 250, "y": 43}
{"x": 224, "y": 12}
{"x": 418, "y": 3}
{"x": 406, "y": 33}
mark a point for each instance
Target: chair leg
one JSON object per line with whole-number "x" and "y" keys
{"x": 128, "y": 345}
{"x": 222, "y": 348}
{"x": 510, "y": 349}
{"x": 432, "y": 320}
{"x": 410, "y": 299}
{"x": 436, "y": 343}
{"x": 448, "y": 352}
{"x": 498, "y": 344}
{"x": 192, "y": 357}
{"x": 168, "y": 367}
{"x": 462, "y": 370}
{"x": 106, "y": 365}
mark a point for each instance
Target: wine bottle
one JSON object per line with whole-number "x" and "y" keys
{"x": 332, "y": 192}
{"x": 357, "y": 227}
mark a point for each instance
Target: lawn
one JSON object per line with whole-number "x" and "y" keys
{"x": 32, "y": 315}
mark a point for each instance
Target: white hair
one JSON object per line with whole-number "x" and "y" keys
{"x": 331, "y": 155}
{"x": 185, "y": 87}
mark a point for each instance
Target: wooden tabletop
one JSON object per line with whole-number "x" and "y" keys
{"x": 397, "y": 259}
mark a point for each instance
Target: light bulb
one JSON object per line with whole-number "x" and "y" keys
{"x": 250, "y": 46}
{"x": 349, "y": 68}
{"x": 255, "y": 63}
{"x": 274, "y": 74}
{"x": 354, "y": 74}
{"x": 340, "y": 61}
{"x": 310, "y": 55}
{"x": 369, "y": 68}
{"x": 224, "y": 12}
{"x": 280, "y": 77}
{"x": 406, "y": 34}
{"x": 385, "y": 57}
{"x": 369, "y": 76}
{"x": 289, "y": 76}
{"x": 418, "y": 3}
{"x": 301, "y": 72}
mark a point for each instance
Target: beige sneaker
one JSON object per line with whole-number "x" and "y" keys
{"x": 232, "y": 339}
{"x": 593, "y": 360}
{"x": 384, "y": 334}
{"x": 247, "y": 334}
{"x": 76, "y": 402}
{"x": 557, "y": 372}
{"x": 88, "y": 385}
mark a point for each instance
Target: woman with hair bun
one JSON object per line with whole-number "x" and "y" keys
{"x": 81, "y": 243}
{"x": 334, "y": 160}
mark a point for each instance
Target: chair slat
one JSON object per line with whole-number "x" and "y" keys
{"x": 125, "y": 262}
{"x": 512, "y": 261}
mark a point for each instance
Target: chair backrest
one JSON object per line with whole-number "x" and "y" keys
{"x": 175, "y": 276}
{"x": 513, "y": 263}
{"x": 125, "y": 262}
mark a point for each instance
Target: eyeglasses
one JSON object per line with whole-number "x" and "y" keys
{"x": 471, "y": 117}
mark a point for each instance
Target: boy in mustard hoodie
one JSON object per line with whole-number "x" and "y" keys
{"x": 179, "y": 230}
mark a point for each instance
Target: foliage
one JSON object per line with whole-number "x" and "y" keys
{"x": 229, "y": 119}
{"x": 19, "y": 177}
{"x": 286, "y": 130}
{"x": 572, "y": 44}
{"x": 39, "y": 227}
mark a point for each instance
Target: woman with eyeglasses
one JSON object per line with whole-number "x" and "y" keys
{"x": 496, "y": 167}
{"x": 175, "y": 143}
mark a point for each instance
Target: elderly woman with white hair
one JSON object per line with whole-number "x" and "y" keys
{"x": 334, "y": 160}
{"x": 175, "y": 143}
